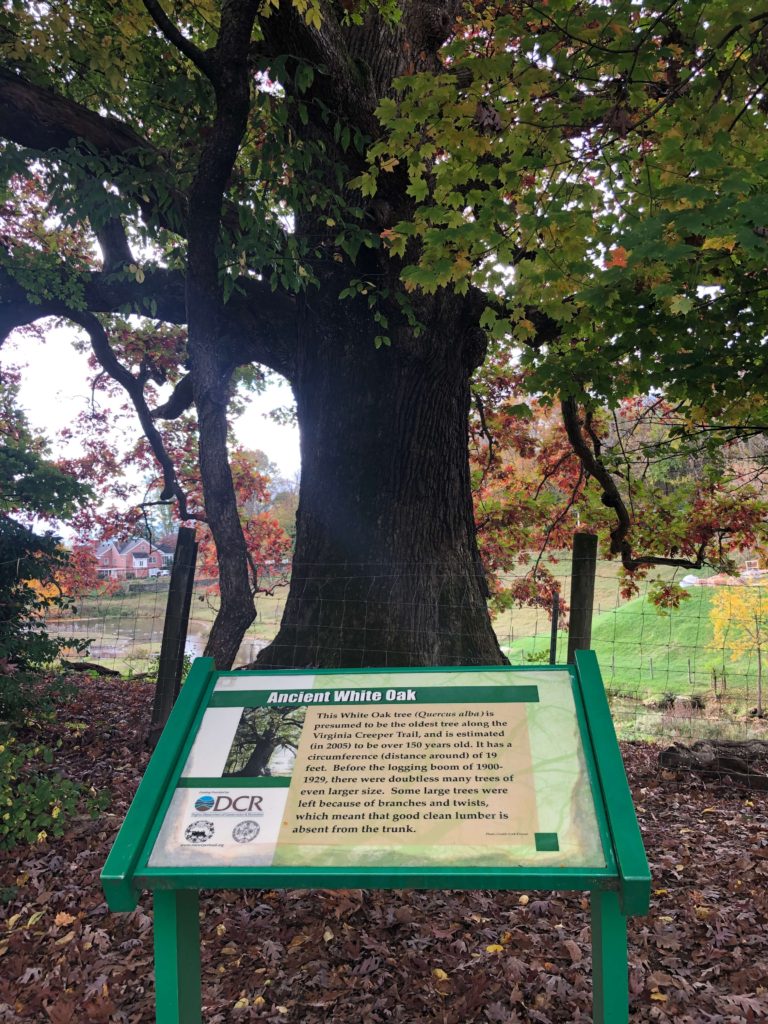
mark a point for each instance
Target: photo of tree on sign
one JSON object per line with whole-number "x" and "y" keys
{"x": 265, "y": 742}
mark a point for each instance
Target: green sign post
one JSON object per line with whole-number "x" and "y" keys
{"x": 476, "y": 778}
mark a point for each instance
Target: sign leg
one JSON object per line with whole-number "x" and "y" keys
{"x": 610, "y": 970}
{"x": 177, "y": 957}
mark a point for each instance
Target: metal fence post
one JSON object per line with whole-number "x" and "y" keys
{"x": 584, "y": 567}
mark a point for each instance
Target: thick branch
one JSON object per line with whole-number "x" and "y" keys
{"x": 181, "y": 400}
{"x": 161, "y": 291}
{"x": 43, "y": 120}
{"x": 259, "y": 324}
{"x": 113, "y": 242}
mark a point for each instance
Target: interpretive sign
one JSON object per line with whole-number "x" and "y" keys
{"x": 473, "y": 778}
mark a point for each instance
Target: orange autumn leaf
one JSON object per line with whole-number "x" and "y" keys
{"x": 617, "y": 257}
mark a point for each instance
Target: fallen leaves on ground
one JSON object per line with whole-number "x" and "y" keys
{"x": 311, "y": 956}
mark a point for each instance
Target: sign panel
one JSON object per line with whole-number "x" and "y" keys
{"x": 502, "y": 778}
{"x": 406, "y": 769}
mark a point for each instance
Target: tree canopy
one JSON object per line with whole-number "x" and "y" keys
{"x": 375, "y": 200}
{"x": 32, "y": 488}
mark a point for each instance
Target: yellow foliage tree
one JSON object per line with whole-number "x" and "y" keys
{"x": 740, "y": 620}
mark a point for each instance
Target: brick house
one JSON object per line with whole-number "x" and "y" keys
{"x": 135, "y": 559}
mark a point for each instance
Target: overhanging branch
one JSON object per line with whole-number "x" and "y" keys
{"x": 260, "y": 324}
{"x": 134, "y": 386}
{"x": 594, "y": 467}
{"x": 43, "y": 120}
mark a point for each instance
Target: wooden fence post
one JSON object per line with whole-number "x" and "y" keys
{"x": 171, "y": 664}
{"x": 583, "y": 570}
{"x": 553, "y": 634}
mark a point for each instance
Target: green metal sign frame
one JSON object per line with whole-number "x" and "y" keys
{"x": 617, "y": 890}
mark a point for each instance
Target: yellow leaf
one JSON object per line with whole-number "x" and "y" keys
{"x": 259, "y": 1001}
{"x": 702, "y": 913}
{"x": 523, "y": 900}
{"x": 12, "y": 921}
{"x": 220, "y": 929}
{"x": 461, "y": 266}
{"x": 242, "y": 1003}
{"x": 727, "y": 242}
{"x": 389, "y": 164}
{"x": 658, "y": 997}
{"x": 327, "y": 935}
{"x": 494, "y": 948}
{"x": 439, "y": 974}
{"x": 34, "y": 918}
{"x": 65, "y": 939}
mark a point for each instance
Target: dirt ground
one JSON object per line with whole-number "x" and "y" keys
{"x": 700, "y": 956}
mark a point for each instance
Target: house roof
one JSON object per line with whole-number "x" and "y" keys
{"x": 130, "y": 545}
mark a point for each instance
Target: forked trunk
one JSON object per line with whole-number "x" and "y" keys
{"x": 386, "y": 570}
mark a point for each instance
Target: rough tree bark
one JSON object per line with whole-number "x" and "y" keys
{"x": 386, "y": 569}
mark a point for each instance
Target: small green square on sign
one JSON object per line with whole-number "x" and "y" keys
{"x": 546, "y": 842}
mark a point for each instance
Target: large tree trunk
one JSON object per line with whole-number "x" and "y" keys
{"x": 386, "y": 570}
{"x": 237, "y": 611}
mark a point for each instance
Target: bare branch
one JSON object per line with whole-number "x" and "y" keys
{"x": 489, "y": 438}
{"x": 612, "y": 498}
{"x": 135, "y": 388}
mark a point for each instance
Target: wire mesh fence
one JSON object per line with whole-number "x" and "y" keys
{"x": 687, "y": 672}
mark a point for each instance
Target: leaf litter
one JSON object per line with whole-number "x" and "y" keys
{"x": 369, "y": 957}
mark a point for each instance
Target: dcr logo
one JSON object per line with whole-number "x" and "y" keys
{"x": 244, "y": 804}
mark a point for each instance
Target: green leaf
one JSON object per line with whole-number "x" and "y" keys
{"x": 681, "y": 304}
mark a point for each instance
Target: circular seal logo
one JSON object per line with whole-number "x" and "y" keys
{"x": 245, "y": 831}
{"x": 199, "y": 832}
{"x": 204, "y": 803}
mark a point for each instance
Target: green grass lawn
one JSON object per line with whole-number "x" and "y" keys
{"x": 644, "y": 653}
